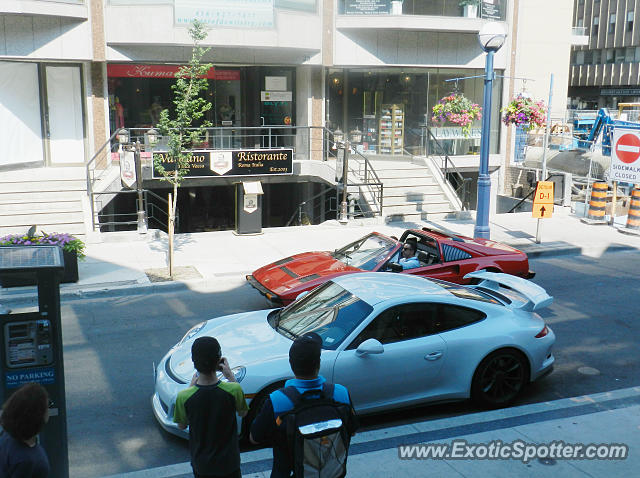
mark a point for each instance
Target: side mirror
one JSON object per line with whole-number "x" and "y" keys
{"x": 369, "y": 347}
{"x": 302, "y": 294}
{"x": 395, "y": 267}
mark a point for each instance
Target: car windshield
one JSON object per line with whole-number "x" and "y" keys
{"x": 330, "y": 310}
{"x": 365, "y": 253}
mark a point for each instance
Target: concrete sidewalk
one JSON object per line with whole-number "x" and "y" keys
{"x": 610, "y": 421}
{"x": 116, "y": 262}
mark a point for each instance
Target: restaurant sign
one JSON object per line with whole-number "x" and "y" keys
{"x": 132, "y": 70}
{"x": 244, "y": 162}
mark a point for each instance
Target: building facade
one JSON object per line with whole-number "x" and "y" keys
{"x": 285, "y": 72}
{"x": 605, "y": 70}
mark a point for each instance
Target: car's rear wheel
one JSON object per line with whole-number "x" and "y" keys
{"x": 499, "y": 378}
{"x": 254, "y": 409}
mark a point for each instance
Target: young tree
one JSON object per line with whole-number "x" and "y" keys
{"x": 186, "y": 127}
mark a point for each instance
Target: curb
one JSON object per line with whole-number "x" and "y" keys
{"x": 120, "y": 290}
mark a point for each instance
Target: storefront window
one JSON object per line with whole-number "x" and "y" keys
{"x": 388, "y": 110}
{"x": 488, "y": 9}
{"x": 138, "y": 93}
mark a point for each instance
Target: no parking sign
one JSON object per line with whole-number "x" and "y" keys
{"x": 625, "y": 156}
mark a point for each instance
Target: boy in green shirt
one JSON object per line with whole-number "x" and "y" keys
{"x": 209, "y": 406}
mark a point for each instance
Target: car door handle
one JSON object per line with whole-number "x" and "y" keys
{"x": 433, "y": 355}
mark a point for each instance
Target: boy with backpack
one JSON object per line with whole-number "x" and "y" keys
{"x": 309, "y": 422}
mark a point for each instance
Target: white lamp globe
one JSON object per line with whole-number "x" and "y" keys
{"x": 491, "y": 36}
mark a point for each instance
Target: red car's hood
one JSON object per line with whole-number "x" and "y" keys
{"x": 285, "y": 274}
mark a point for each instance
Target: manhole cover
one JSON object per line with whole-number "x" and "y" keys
{"x": 588, "y": 371}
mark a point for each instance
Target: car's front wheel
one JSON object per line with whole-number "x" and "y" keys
{"x": 254, "y": 409}
{"x": 499, "y": 378}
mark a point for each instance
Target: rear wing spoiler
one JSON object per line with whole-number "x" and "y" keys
{"x": 537, "y": 298}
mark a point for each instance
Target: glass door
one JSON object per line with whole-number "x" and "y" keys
{"x": 64, "y": 119}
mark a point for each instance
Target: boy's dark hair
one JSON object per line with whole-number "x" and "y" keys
{"x": 304, "y": 355}
{"x": 24, "y": 413}
{"x": 205, "y": 353}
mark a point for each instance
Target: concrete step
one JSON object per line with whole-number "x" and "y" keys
{"x": 427, "y": 199}
{"x": 39, "y": 196}
{"x": 418, "y": 216}
{"x": 44, "y": 174}
{"x": 404, "y": 173}
{"x": 400, "y": 190}
{"x": 30, "y": 218}
{"x": 75, "y": 229}
{"x": 40, "y": 207}
{"x": 434, "y": 204}
{"x": 409, "y": 181}
{"x": 43, "y": 186}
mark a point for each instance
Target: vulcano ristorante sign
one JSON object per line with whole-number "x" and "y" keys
{"x": 243, "y": 162}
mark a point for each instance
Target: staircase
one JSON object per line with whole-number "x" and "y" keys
{"x": 53, "y": 199}
{"x": 413, "y": 191}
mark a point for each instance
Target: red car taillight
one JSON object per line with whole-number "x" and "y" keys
{"x": 543, "y": 332}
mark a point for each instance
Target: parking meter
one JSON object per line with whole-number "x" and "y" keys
{"x": 32, "y": 343}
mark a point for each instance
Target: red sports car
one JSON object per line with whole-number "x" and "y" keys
{"x": 441, "y": 255}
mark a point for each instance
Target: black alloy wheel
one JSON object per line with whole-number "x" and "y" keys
{"x": 254, "y": 409}
{"x": 499, "y": 378}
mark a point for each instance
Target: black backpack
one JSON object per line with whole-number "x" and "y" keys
{"x": 318, "y": 431}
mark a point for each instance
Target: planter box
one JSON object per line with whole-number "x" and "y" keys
{"x": 19, "y": 279}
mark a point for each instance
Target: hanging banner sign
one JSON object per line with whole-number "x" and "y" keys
{"x": 245, "y": 162}
{"x": 127, "y": 169}
{"x": 625, "y": 156}
{"x": 128, "y": 70}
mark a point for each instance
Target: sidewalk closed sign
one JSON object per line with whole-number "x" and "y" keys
{"x": 625, "y": 156}
{"x": 543, "y": 200}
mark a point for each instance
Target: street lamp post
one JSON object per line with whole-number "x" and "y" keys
{"x": 491, "y": 37}
{"x": 142, "y": 217}
{"x": 345, "y": 180}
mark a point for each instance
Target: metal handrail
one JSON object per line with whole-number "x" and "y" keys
{"x": 93, "y": 160}
{"x": 527, "y": 196}
{"x": 298, "y": 211}
{"x": 462, "y": 186}
{"x": 371, "y": 179}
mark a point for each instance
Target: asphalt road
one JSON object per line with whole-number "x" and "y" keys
{"x": 110, "y": 344}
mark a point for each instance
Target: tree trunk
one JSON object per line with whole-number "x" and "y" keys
{"x": 170, "y": 232}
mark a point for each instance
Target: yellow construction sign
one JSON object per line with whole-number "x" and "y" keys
{"x": 543, "y": 200}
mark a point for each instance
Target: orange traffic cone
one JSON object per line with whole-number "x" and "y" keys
{"x": 633, "y": 217}
{"x": 597, "y": 204}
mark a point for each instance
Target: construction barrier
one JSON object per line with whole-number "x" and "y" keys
{"x": 633, "y": 218}
{"x": 598, "y": 201}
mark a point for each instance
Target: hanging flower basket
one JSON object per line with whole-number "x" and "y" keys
{"x": 72, "y": 250}
{"x": 524, "y": 111}
{"x": 458, "y": 110}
